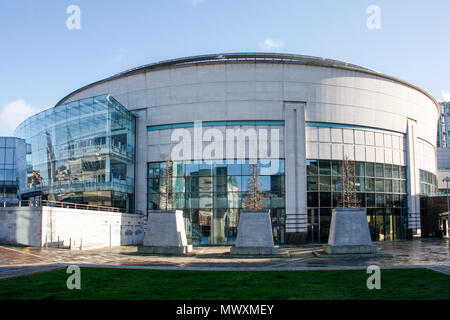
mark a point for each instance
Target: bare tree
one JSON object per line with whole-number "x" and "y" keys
{"x": 166, "y": 188}
{"x": 254, "y": 195}
{"x": 349, "y": 198}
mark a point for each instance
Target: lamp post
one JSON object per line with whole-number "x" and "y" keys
{"x": 447, "y": 180}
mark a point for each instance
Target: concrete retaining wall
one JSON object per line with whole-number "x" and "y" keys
{"x": 79, "y": 229}
{"x": 21, "y": 225}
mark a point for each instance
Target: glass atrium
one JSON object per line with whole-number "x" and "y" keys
{"x": 82, "y": 152}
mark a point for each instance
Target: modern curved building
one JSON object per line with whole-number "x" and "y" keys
{"x": 299, "y": 116}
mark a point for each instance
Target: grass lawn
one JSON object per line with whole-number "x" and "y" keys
{"x": 98, "y": 283}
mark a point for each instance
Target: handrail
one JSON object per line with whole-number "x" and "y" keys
{"x": 59, "y": 204}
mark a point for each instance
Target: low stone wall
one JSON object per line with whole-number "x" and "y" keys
{"x": 74, "y": 228}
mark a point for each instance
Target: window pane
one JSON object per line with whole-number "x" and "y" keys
{"x": 370, "y": 184}
{"x": 325, "y": 183}
{"x": 370, "y": 198}
{"x": 403, "y": 186}
{"x": 395, "y": 172}
{"x": 325, "y": 168}
{"x": 277, "y": 183}
{"x": 312, "y": 167}
{"x": 276, "y": 167}
{"x": 403, "y": 172}
{"x": 360, "y": 169}
{"x": 204, "y": 169}
{"x": 191, "y": 169}
{"x": 379, "y": 170}
{"x": 337, "y": 198}
{"x": 388, "y": 185}
{"x": 205, "y": 200}
{"x": 9, "y": 156}
{"x": 234, "y": 183}
{"x": 388, "y": 171}
{"x": 396, "y": 186}
{"x": 370, "y": 171}
{"x": 234, "y": 169}
{"x": 336, "y": 184}
{"x": 312, "y": 184}
{"x": 313, "y": 199}
{"x": 325, "y": 199}
{"x": 380, "y": 200}
{"x": 379, "y": 185}
{"x": 153, "y": 170}
{"x": 153, "y": 185}
{"x": 336, "y": 168}
{"x": 360, "y": 184}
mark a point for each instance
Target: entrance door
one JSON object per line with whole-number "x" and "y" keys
{"x": 313, "y": 225}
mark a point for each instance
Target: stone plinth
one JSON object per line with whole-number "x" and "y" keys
{"x": 254, "y": 234}
{"x": 165, "y": 233}
{"x": 349, "y": 232}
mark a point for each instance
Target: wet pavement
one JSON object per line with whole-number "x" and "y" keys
{"x": 433, "y": 253}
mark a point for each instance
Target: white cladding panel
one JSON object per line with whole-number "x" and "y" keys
{"x": 250, "y": 91}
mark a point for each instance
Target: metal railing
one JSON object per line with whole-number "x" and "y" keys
{"x": 60, "y": 204}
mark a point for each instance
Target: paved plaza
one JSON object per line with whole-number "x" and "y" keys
{"x": 427, "y": 253}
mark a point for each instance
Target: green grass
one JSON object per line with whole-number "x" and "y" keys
{"x": 98, "y": 283}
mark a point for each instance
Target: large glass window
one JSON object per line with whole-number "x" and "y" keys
{"x": 428, "y": 183}
{"x": 212, "y": 195}
{"x": 380, "y": 187}
{"x": 82, "y": 152}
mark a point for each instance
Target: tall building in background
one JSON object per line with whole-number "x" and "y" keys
{"x": 12, "y": 169}
{"x": 444, "y": 125}
{"x": 443, "y": 144}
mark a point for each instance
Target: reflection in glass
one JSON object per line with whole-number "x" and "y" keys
{"x": 83, "y": 152}
{"x": 211, "y": 196}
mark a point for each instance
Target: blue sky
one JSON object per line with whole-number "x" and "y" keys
{"x": 42, "y": 60}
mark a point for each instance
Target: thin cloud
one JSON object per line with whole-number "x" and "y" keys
{"x": 12, "y": 114}
{"x": 120, "y": 55}
{"x": 271, "y": 44}
{"x": 445, "y": 95}
{"x": 196, "y": 2}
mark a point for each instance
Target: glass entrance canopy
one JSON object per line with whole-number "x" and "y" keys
{"x": 82, "y": 152}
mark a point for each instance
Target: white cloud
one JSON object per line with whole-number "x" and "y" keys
{"x": 196, "y": 2}
{"x": 12, "y": 114}
{"x": 445, "y": 95}
{"x": 271, "y": 44}
{"x": 120, "y": 55}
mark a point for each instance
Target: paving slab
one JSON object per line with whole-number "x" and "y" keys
{"x": 406, "y": 254}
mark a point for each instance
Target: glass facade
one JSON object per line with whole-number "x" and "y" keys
{"x": 12, "y": 169}
{"x": 428, "y": 183}
{"x": 444, "y": 126}
{"x": 382, "y": 190}
{"x": 211, "y": 195}
{"x": 82, "y": 152}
